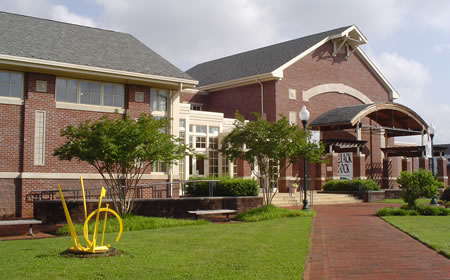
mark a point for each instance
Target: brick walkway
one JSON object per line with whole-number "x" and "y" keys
{"x": 349, "y": 242}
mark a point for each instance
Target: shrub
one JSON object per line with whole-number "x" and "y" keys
{"x": 446, "y": 195}
{"x": 428, "y": 210}
{"x": 351, "y": 185}
{"x": 225, "y": 187}
{"x": 417, "y": 184}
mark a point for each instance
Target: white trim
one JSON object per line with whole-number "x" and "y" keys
{"x": 393, "y": 93}
{"x": 11, "y": 100}
{"x": 40, "y": 121}
{"x": 62, "y": 66}
{"x": 332, "y": 87}
{"x": 240, "y": 82}
{"x": 90, "y": 176}
{"x": 88, "y": 107}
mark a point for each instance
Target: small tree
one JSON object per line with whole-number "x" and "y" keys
{"x": 417, "y": 184}
{"x": 268, "y": 146}
{"x": 121, "y": 150}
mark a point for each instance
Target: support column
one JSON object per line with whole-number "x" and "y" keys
{"x": 332, "y": 167}
{"x": 442, "y": 175}
{"x": 320, "y": 175}
{"x": 359, "y": 166}
{"x": 391, "y": 171}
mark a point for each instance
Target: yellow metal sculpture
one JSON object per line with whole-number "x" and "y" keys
{"x": 91, "y": 244}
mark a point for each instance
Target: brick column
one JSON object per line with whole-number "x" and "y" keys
{"x": 243, "y": 168}
{"x": 359, "y": 166}
{"x": 332, "y": 167}
{"x": 423, "y": 163}
{"x": 406, "y": 164}
{"x": 391, "y": 171}
{"x": 320, "y": 175}
{"x": 442, "y": 175}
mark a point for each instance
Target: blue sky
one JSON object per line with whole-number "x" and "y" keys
{"x": 408, "y": 40}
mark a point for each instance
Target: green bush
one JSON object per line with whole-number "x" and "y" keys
{"x": 423, "y": 210}
{"x": 417, "y": 184}
{"x": 351, "y": 185}
{"x": 225, "y": 187}
{"x": 446, "y": 195}
{"x": 390, "y": 211}
{"x": 428, "y": 210}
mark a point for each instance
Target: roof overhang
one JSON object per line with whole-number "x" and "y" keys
{"x": 84, "y": 71}
{"x": 404, "y": 151}
{"x": 395, "y": 119}
{"x": 241, "y": 82}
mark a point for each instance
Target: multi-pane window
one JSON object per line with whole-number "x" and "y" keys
{"x": 292, "y": 118}
{"x": 213, "y": 143}
{"x": 39, "y": 138}
{"x": 89, "y": 92}
{"x": 200, "y": 142}
{"x": 214, "y": 130}
{"x": 11, "y": 84}
{"x": 158, "y": 99}
{"x": 159, "y": 166}
{"x": 196, "y": 107}
{"x": 200, "y": 129}
{"x": 213, "y": 163}
{"x": 235, "y": 168}
{"x": 225, "y": 169}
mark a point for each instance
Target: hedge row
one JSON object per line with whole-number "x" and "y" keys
{"x": 423, "y": 210}
{"x": 351, "y": 185}
{"x": 225, "y": 187}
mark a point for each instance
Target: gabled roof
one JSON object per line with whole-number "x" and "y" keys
{"x": 254, "y": 62}
{"x": 269, "y": 62}
{"x": 42, "y": 39}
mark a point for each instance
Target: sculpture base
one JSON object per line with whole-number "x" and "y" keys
{"x": 78, "y": 254}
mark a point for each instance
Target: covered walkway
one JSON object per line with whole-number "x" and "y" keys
{"x": 350, "y": 242}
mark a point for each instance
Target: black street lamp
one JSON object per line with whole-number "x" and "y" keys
{"x": 304, "y": 117}
{"x": 432, "y": 131}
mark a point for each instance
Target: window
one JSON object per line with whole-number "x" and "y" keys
{"x": 39, "y": 138}
{"x": 200, "y": 166}
{"x": 225, "y": 170}
{"x": 292, "y": 118}
{"x": 158, "y": 99}
{"x": 196, "y": 107}
{"x": 200, "y": 142}
{"x": 200, "y": 129}
{"x": 292, "y": 93}
{"x": 214, "y": 130}
{"x": 235, "y": 167}
{"x": 213, "y": 143}
{"x": 182, "y": 124}
{"x": 213, "y": 163}
{"x": 11, "y": 84}
{"x": 89, "y": 92}
{"x": 159, "y": 166}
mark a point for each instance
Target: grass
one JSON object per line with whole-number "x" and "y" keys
{"x": 274, "y": 249}
{"x": 432, "y": 231}
{"x": 131, "y": 223}
{"x": 270, "y": 212}
{"x": 400, "y": 201}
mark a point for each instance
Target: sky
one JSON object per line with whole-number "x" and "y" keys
{"x": 408, "y": 40}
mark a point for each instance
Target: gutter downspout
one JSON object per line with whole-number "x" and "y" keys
{"x": 262, "y": 98}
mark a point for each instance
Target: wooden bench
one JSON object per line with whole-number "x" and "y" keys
{"x": 29, "y": 222}
{"x": 227, "y": 212}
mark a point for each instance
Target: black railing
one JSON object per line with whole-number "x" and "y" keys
{"x": 158, "y": 190}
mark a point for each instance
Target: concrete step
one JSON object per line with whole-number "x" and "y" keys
{"x": 286, "y": 199}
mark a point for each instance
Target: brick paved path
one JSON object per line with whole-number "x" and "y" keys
{"x": 349, "y": 242}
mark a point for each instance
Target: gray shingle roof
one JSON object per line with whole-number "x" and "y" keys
{"x": 31, "y": 37}
{"x": 254, "y": 62}
{"x": 341, "y": 115}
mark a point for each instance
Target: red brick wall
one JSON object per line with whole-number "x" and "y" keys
{"x": 245, "y": 99}
{"x": 11, "y": 118}
{"x": 199, "y": 98}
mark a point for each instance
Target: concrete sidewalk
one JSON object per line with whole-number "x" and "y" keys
{"x": 349, "y": 242}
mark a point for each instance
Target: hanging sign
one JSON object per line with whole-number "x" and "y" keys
{"x": 345, "y": 166}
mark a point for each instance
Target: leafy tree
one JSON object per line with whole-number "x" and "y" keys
{"x": 417, "y": 184}
{"x": 121, "y": 150}
{"x": 268, "y": 146}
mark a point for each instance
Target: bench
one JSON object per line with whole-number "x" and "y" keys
{"x": 29, "y": 222}
{"x": 212, "y": 212}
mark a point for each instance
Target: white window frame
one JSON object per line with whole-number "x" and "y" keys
{"x": 39, "y": 137}
{"x": 292, "y": 94}
{"x": 90, "y": 107}
{"x": 160, "y": 112}
{"x": 292, "y": 118}
{"x": 13, "y": 100}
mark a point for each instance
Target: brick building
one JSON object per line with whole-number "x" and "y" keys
{"x": 53, "y": 74}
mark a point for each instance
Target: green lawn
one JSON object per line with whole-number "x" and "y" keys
{"x": 274, "y": 249}
{"x": 400, "y": 201}
{"x": 433, "y": 231}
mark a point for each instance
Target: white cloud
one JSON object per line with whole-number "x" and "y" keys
{"x": 61, "y": 13}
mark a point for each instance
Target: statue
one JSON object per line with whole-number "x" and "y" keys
{"x": 91, "y": 246}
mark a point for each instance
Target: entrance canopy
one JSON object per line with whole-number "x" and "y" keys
{"x": 395, "y": 119}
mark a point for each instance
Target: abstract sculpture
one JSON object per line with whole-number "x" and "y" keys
{"x": 91, "y": 245}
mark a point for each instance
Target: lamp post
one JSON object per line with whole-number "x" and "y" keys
{"x": 304, "y": 117}
{"x": 431, "y": 132}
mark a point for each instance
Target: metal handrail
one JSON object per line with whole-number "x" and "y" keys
{"x": 137, "y": 192}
